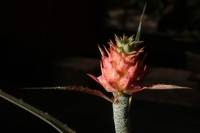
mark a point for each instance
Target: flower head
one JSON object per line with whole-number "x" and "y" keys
{"x": 122, "y": 70}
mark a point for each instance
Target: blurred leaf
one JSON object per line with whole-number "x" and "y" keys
{"x": 62, "y": 128}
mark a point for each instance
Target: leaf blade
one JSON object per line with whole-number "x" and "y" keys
{"x": 137, "y": 38}
{"x": 79, "y": 89}
{"x": 62, "y": 128}
{"x": 165, "y": 87}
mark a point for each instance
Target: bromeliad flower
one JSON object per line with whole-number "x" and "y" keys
{"x": 122, "y": 70}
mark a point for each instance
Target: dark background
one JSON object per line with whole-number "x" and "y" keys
{"x": 35, "y": 36}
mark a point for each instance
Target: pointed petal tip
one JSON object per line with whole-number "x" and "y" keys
{"x": 101, "y": 51}
{"x": 93, "y": 77}
{"x": 116, "y": 37}
{"x": 106, "y": 50}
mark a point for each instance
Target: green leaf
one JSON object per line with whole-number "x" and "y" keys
{"x": 137, "y": 38}
{"x": 62, "y": 128}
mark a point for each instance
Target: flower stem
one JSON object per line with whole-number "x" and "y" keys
{"x": 121, "y": 114}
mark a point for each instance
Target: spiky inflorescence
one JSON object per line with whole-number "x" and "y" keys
{"x": 122, "y": 70}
